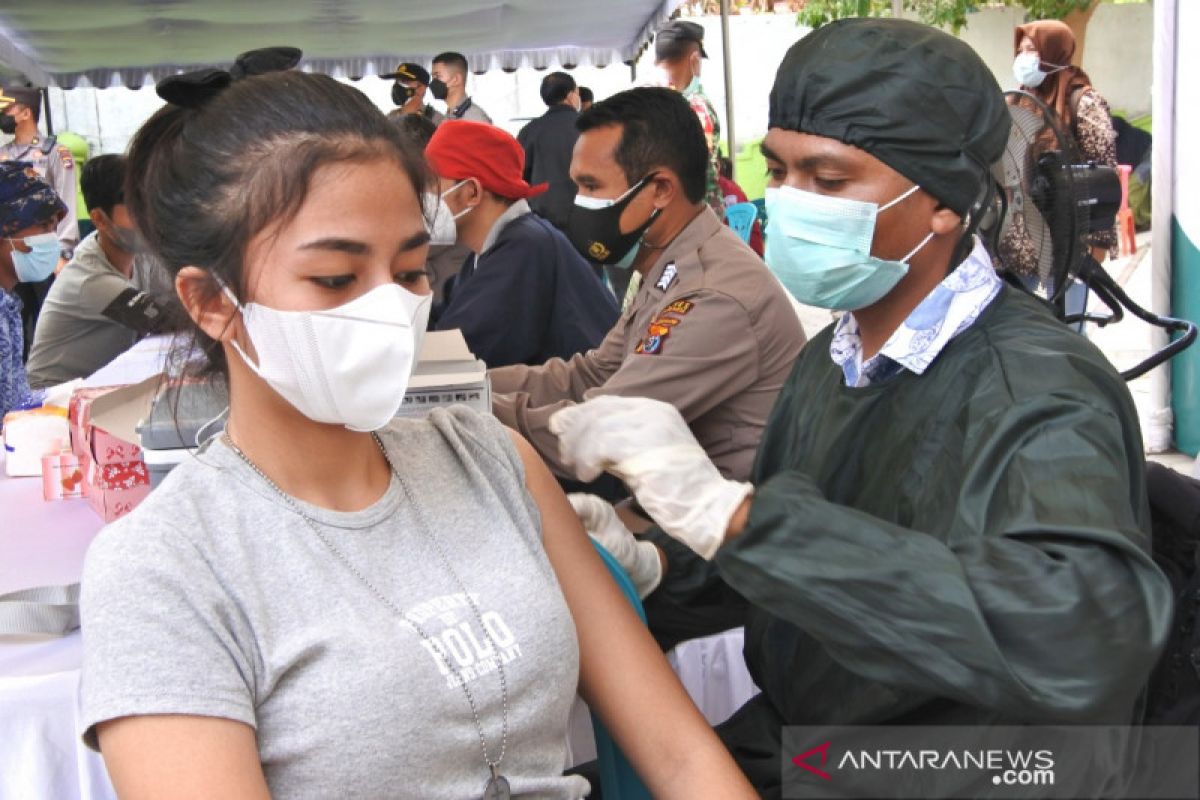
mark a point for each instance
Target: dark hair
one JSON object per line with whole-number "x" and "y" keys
{"x": 35, "y": 108}
{"x": 456, "y": 61}
{"x": 417, "y": 128}
{"x": 658, "y": 129}
{"x": 555, "y": 88}
{"x": 202, "y": 182}
{"x": 585, "y": 94}
{"x": 103, "y": 182}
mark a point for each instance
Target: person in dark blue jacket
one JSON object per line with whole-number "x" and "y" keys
{"x": 526, "y": 295}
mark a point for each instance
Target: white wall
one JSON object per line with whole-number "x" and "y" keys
{"x": 1117, "y": 56}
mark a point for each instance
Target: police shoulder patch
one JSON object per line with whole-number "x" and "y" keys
{"x": 661, "y": 326}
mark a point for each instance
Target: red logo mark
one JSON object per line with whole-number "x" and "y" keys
{"x": 823, "y": 749}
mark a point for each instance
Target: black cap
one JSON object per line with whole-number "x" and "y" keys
{"x": 919, "y": 100}
{"x": 409, "y": 72}
{"x": 669, "y": 42}
{"x": 25, "y": 96}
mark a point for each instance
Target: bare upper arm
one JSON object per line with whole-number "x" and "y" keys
{"x": 623, "y": 675}
{"x": 178, "y": 757}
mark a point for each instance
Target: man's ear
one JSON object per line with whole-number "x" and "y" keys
{"x": 945, "y": 220}
{"x": 96, "y": 216}
{"x": 206, "y": 303}
{"x": 664, "y": 187}
{"x": 473, "y": 191}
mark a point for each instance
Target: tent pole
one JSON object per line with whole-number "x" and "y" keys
{"x": 46, "y": 116}
{"x": 728, "y": 85}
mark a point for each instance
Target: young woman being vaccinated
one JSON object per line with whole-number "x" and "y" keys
{"x": 326, "y": 602}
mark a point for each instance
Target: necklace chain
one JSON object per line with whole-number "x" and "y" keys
{"x": 427, "y": 531}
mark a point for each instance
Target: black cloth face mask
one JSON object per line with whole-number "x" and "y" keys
{"x": 401, "y": 94}
{"x": 8, "y": 124}
{"x": 596, "y": 231}
{"x": 438, "y": 89}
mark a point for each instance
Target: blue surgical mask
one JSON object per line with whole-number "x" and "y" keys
{"x": 39, "y": 263}
{"x": 820, "y": 249}
{"x": 1027, "y": 69}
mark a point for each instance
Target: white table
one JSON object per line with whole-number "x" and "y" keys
{"x": 43, "y": 544}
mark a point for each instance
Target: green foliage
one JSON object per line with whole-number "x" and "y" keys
{"x": 951, "y": 14}
{"x": 816, "y": 14}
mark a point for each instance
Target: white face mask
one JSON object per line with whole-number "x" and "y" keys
{"x": 454, "y": 188}
{"x": 348, "y": 365}
{"x": 1027, "y": 69}
{"x": 439, "y": 220}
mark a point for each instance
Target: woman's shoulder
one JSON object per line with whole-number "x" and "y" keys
{"x": 171, "y": 515}
{"x": 458, "y": 432}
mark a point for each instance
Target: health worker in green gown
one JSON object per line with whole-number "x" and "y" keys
{"x": 947, "y": 519}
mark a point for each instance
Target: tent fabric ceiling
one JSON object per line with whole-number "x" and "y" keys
{"x": 131, "y": 42}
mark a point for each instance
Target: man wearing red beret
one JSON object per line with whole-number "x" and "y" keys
{"x": 526, "y": 296}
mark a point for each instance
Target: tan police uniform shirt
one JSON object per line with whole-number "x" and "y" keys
{"x": 56, "y": 166}
{"x": 710, "y": 331}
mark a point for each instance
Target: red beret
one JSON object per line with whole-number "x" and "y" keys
{"x": 462, "y": 148}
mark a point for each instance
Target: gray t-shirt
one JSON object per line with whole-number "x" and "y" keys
{"x": 213, "y": 598}
{"x": 74, "y": 337}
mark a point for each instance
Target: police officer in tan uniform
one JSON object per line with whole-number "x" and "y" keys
{"x": 408, "y": 92}
{"x": 21, "y": 109}
{"x": 710, "y": 330}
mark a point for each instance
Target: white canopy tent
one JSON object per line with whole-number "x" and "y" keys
{"x": 105, "y": 43}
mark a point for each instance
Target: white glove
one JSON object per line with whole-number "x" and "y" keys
{"x": 60, "y": 394}
{"x": 640, "y": 559}
{"x": 648, "y": 445}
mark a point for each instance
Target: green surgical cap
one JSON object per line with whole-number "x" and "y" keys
{"x": 917, "y": 99}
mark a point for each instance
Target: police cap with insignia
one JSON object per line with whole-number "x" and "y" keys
{"x": 671, "y": 41}
{"x": 29, "y": 97}
{"x": 409, "y": 72}
{"x": 919, "y": 100}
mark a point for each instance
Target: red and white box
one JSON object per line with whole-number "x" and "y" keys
{"x": 112, "y": 504}
{"x": 62, "y": 476}
{"x": 119, "y": 476}
{"x": 79, "y": 415}
{"x": 116, "y": 479}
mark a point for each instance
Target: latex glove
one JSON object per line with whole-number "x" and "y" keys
{"x": 648, "y": 445}
{"x": 60, "y": 394}
{"x": 640, "y": 559}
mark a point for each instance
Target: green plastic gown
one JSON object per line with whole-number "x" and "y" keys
{"x": 967, "y": 546}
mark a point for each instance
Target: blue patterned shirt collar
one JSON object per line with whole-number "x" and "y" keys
{"x": 951, "y": 308}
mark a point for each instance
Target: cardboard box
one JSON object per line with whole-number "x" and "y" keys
{"x": 115, "y": 478}
{"x": 446, "y": 374}
{"x": 62, "y": 476}
{"x": 113, "y": 419}
{"x": 122, "y": 475}
{"x": 79, "y": 415}
{"x": 113, "y": 504}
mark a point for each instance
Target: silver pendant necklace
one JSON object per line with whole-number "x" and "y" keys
{"x": 497, "y": 787}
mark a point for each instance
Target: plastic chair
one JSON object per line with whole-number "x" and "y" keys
{"x": 740, "y": 217}
{"x": 1126, "y": 230}
{"x": 617, "y": 778}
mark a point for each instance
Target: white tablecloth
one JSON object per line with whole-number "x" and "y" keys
{"x": 43, "y": 544}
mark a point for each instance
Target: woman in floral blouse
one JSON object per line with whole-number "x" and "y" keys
{"x": 1043, "y": 68}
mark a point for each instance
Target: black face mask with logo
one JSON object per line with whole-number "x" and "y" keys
{"x": 438, "y": 89}
{"x": 8, "y": 124}
{"x": 596, "y": 232}
{"x": 401, "y": 94}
